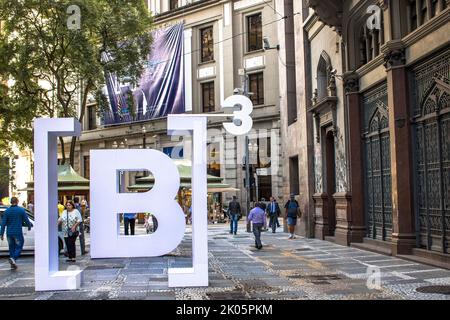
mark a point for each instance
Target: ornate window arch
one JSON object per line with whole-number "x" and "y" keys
{"x": 324, "y": 69}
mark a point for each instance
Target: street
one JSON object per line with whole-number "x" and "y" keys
{"x": 299, "y": 269}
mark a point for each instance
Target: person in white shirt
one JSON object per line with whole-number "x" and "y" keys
{"x": 70, "y": 220}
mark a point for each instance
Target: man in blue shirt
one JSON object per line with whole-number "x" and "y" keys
{"x": 258, "y": 217}
{"x": 13, "y": 218}
{"x": 129, "y": 219}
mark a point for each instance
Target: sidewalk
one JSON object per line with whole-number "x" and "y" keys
{"x": 283, "y": 269}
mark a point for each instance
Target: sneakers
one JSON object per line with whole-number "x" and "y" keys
{"x": 13, "y": 264}
{"x": 235, "y": 233}
{"x": 291, "y": 237}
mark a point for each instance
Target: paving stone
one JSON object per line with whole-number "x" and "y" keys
{"x": 299, "y": 269}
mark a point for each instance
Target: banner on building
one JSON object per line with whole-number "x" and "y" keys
{"x": 161, "y": 88}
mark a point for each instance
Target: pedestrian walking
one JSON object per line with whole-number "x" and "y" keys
{"x": 85, "y": 216}
{"x": 13, "y": 220}
{"x": 30, "y": 206}
{"x": 234, "y": 213}
{"x": 78, "y": 207}
{"x": 263, "y": 201}
{"x": 129, "y": 219}
{"x": 257, "y": 217}
{"x": 273, "y": 211}
{"x": 292, "y": 212}
{"x": 60, "y": 208}
{"x": 70, "y": 221}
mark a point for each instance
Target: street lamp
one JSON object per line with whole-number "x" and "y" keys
{"x": 253, "y": 149}
{"x": 244, "y": 91}
{"x": 144, "y": 131}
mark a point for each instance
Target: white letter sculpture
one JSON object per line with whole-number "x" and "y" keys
{"x": 46, "y": 264}
{"x": 197, "y": 275}
{"x": 107, "y": 202}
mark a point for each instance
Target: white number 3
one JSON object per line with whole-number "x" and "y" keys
{"x": 242, "y": 122}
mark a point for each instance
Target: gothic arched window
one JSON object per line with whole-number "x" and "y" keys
{"x": 370, "y": 42}
{"x": 323, "y": 75}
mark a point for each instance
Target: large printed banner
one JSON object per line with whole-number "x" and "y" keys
{"x": 161, "y": 87}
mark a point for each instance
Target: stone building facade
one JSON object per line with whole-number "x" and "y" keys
{"x": 223, "y": 40}
{"x": 365, "y": 127}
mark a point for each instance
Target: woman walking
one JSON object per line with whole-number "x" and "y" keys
{"x": 70, "y": 220}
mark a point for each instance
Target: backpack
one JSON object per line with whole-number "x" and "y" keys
{"x": 292, "y": 209}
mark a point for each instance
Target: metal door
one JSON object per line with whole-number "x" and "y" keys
{"x": 377, "y": 165}
{"x": 431, "y": 128}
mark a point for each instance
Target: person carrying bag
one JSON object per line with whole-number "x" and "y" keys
{"x": 70, "y": 220}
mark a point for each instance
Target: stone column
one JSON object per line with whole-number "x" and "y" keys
{"x": 321, "y": 212}
{"x": 355, "y": 213}
{"x": 403, "y": 235}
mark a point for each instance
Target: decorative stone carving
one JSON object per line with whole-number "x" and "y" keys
{"x": 351, "y": 82}
{"x": 341, "y": 162}
{"x": 315, "y": 96}
{"x": 329, "y": 12}
{"x": 394, "y": 58}
{"x": 332, "y": 86}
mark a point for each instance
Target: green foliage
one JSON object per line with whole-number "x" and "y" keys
{"x": 49, "y": 66}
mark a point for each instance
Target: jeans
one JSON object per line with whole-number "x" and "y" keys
{"x": 274, "y": 222}
{"x": 82, "y": 243}
{"x": 234, "y": 223}
{"x": 15, "y": 244}
{"x": 130, "y": 222}
{"x": 257, "y": 227}
{"x": 70, "y": 244}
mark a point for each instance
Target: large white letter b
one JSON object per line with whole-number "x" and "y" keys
{"x": 107, "y": 202}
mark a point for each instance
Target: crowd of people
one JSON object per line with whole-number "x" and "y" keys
{"x": 262, "y": 210}
{"x": 73, "y": 220}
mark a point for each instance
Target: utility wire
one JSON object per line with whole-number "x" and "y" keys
{"x": 236, "y": 35}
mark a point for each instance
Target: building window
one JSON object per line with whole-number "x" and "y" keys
{"x": 323, "y": 75}
{"x": 421, "y": 11}
{"x": 92, "y": 118}
{"x": 207, "y": 44}
{"x": 370, "y": 43}
{"x": 173, "y": 4}
{"x": 254, "y": 32}
{"x": 256, "y": 81}
{"x": 86, "y": 167}
{"x": 208, "y": 96}
{"x": 294, "y": 180}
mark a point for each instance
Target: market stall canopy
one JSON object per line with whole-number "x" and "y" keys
{"x": 185, "y": 169}
{"x": 68, "y": 180}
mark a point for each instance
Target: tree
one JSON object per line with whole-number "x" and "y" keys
{"x": 53, "y": 64}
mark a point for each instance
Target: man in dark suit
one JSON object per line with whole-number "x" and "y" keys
{"x": 273, "y": 210}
